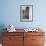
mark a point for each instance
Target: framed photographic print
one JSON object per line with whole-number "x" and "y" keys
{"x": 26, "y": 13}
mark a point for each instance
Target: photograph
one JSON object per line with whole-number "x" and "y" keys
{"x": 26, "y": 13}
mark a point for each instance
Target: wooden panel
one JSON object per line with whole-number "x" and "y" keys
{"x": 27, "y": 41}
{"x": 37, "y": 45}
{"x": 23, "y": 39}
{"x": 13, "y": 33}
{"x": 33, "y": 38}
{"x": 37, "y": 39}
{"x": 12, "y": 40}
{"x": 34, "y": 33}
{"x": 18, "y": 40}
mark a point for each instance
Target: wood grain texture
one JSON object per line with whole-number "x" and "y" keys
{"x": 13, "y": 39}
{"x": 23, "y": 39}
{"x": 34, "y": 39}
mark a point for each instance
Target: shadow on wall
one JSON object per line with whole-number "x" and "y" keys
{"x": 2, "y": 26}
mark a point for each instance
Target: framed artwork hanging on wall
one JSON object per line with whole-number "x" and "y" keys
{"x": 26, "y": 13}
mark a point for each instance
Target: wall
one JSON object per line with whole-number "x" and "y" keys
{"x": 10, "y": 13}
